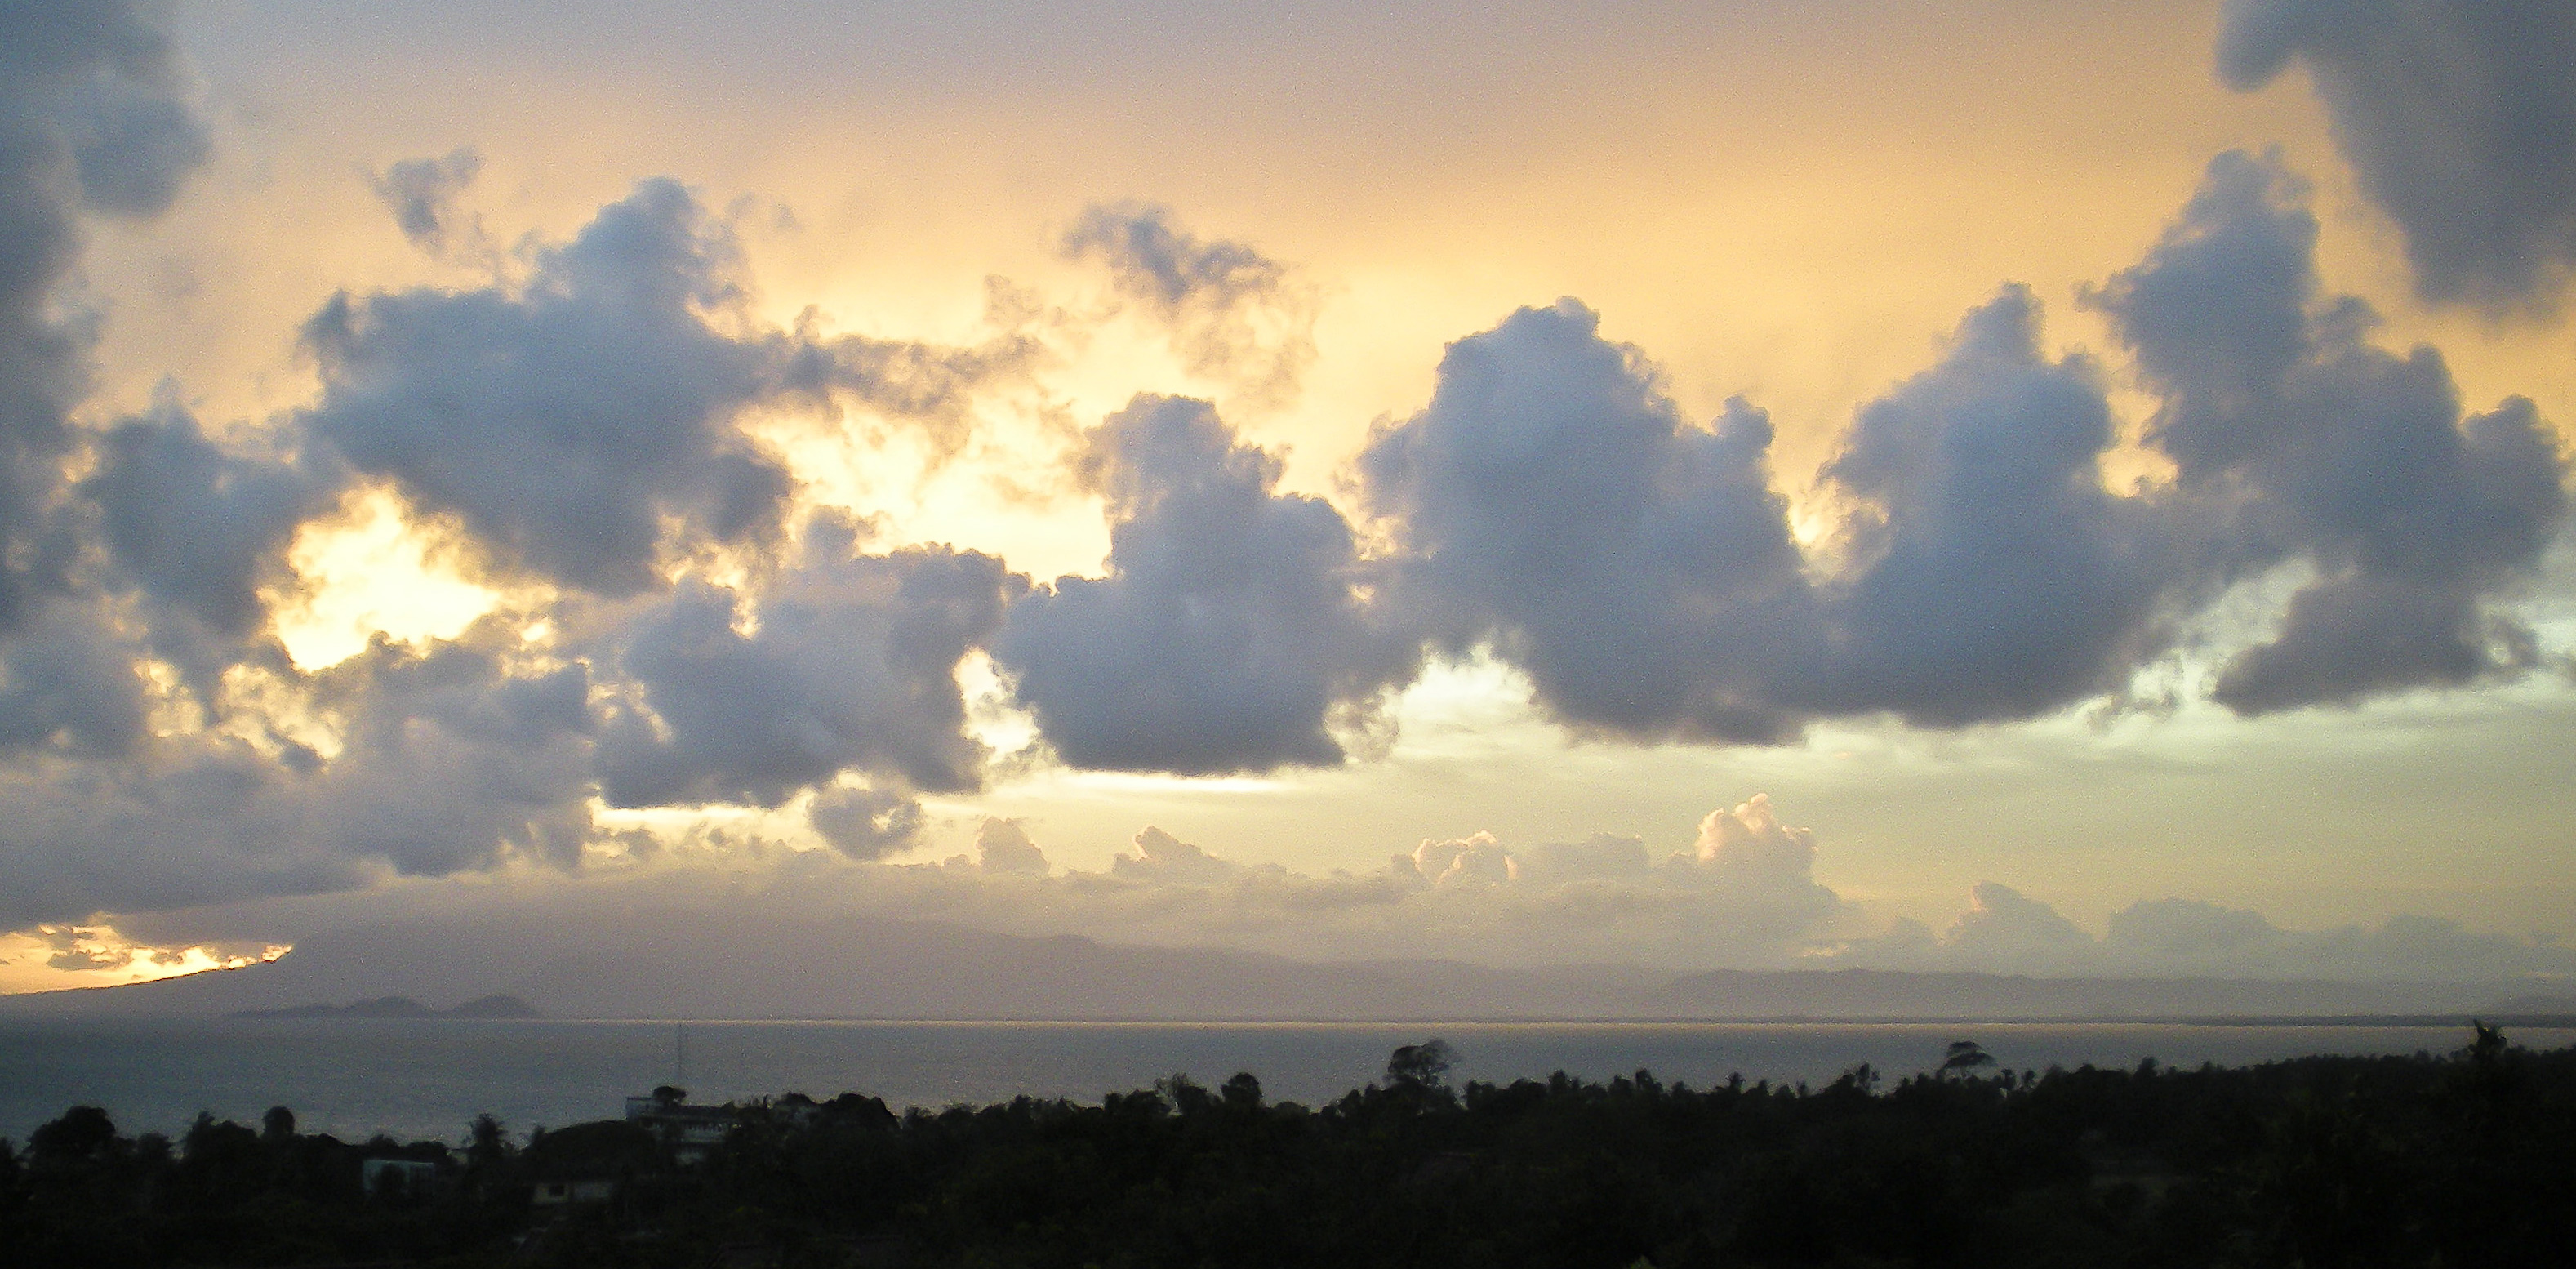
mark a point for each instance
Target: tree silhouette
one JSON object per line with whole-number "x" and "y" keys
{"x": 83, "y": 1135}
{"x": 1966, "y": 1059}
{"x": 487, "y": 1142}
{"x": 1420, "y": 1067}
{"x": 2324, "y": 1161}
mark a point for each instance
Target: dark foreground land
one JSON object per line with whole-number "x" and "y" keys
{"x": 2460, "y": 1160}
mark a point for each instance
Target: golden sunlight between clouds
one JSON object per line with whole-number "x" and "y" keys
{"x": 371, "y": 570}
{"x": 56, "y": 957}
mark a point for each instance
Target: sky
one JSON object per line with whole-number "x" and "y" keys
{"x": 1997, "y": 485}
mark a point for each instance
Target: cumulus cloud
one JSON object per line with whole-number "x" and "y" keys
{"x": 1600, "y": 857}
{"x": 69, "y": 685}
{"x": 1552, "y": 504}
{"x": 865, "y": 823}
{"x": 450, "y": 757}
{"x": 92, "y": 120}
{"x": 1161, "y": 857}
{"x": 2295, "y": 438}
{"x": 117, "y": 99}
{"x": 1746, "y": 850}
{"x": 1742, "y": 894}
{"x": 2003, "y": 928}
{"x": 1993, "y": 576}
{"x": 201, "y": 532}
{"x": 1232, "y": 628}
{"x": 2458, "y": 115}
{"x": 583, "y": 430}
{"x": 1003, "y": 848}
{"x": 459, "y": 756}
{"x": 1231, "y": 312}
{"x": 422, "y": 194}
{"x": 436, "y": 760}
{"x": 1552, "y": 501}
{"x": 1478, "y": 860}
{"x": 596, "y": 432}
{"x": 586, "y": 426}
{"x": 566, "y": 424}
{"x": 850, "y": 664}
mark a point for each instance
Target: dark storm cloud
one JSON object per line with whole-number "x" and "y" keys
{"x": 2459, "y": 116}
{"x": 422, "y": 193}
{"x": 1231, "y": 627}
{"x": 1993, "y": 576}
{"x": 91, "y": 120}
{"x": 1552, "y": 500}
{"x": 1232, "y": 312}
{"x": 852, "y": 663}
{"x": 2294, "y": 438}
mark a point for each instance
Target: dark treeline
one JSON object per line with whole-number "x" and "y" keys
{"x": 2465, "y": 1159}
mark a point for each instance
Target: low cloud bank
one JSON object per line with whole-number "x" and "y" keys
{"x": 1741, "y": 896}
{"x": 2005, "y": 931}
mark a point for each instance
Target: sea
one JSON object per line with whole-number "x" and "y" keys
{"x": 426, "y": 1079}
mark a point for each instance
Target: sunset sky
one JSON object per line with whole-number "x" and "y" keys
{"x": 1990, "y": 484}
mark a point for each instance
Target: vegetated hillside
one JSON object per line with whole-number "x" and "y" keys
{"x": 693, "y": 963}
{"x": 2467, "y": 1159}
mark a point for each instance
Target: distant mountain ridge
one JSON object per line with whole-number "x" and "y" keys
{"x": 701, "y": 963}
{"x": 493, "y": 1006}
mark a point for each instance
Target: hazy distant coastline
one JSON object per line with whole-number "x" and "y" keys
{"x": 682, "y": 964}
{"x": 493, "y": 1006}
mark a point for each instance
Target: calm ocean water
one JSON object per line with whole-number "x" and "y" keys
{"x": 428, "y": 1079}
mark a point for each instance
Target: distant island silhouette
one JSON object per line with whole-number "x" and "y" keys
{"x": 494, "y": 1006}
